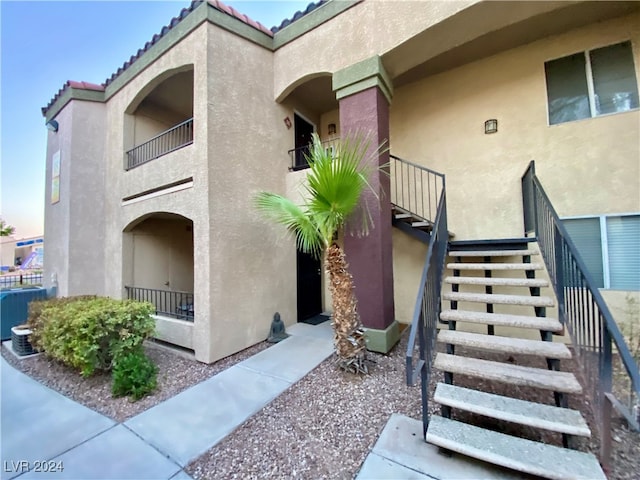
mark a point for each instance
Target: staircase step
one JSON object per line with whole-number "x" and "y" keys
{"x": 420, "y": 224}
{"x": 547, "y": 417}
{"x": 494, "y": 266}
{"x": 496, "y": 343}
{"x": 402, "y": 216}
{"x": 497, "y": 281}
{"x": 512, "y": 452}
{"x": 504, "y": 320}
{"x": 492, "y": 253}
{"x": 493, "y": 298}
{"x": 507, "y": 373}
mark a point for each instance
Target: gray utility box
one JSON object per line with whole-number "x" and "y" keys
{"x": 14, "y": 307}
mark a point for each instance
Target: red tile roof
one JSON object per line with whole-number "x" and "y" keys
{"x": 217, "y": 4}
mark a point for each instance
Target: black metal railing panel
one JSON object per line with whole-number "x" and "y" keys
{"x": 7, "y": 281}
{"x": 420, "y": 355}
{"x": 166, "y": 302}
{"x": 166, "y": 142}
{"x": 610, "y": 373}
{"x": 414, "y": 188}
{"x": 299, "y": 156}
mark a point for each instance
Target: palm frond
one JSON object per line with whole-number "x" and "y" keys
{"x": 297, "y": 220}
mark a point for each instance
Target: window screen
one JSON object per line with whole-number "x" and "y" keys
{"x": 623, "y": 240}
{"x": 585, "y": 233}
{"x": 567, "y": 90}
{"x": 614, "y": 78}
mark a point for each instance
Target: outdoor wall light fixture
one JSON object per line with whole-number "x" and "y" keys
{"x": 52, "y": 125}
{"x": 332, "y": 129}
{"x": 491, "y": 126}
{"x": 287, "y": 122}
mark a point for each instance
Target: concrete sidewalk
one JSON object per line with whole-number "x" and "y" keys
{"x": 42, "y": 429}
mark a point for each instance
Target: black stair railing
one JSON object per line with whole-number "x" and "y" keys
{"x": 612, "y": 380}
{"x": 415, "y": 189}
{"x": 419, "y": 357}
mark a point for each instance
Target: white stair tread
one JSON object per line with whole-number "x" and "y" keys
{"x": 507, "y": 373}
{"x": 494, "y": 266}
{"x": 512, "y": 452}
{"x": 496, "y": 343}
{"x": 420, "y": 224}
{"x": 401, "y": 216}
{"x": 548, "y": 417}
{"x": 501, "y": 319}
{"x": 492, "y": 253}
{"x": 498, "y": 281}
{"x": 493, "y": 298}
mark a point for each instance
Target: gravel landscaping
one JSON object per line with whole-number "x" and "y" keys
{"x": 322, "y": 427}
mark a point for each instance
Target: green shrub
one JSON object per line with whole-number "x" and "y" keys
{"x": 133, "y": 374}
{"x": 89, "y": 333}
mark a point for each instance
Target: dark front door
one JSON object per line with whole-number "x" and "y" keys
{"x": 303, "y": 132}
{"x": 309, "y": 286}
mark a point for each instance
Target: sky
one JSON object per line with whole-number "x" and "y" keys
{"x": 45, "y": 43}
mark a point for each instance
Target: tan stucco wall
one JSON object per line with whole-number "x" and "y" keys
{"x": 162, "y": 255}
{"x": 355, "y": 35}
{"x": 587, "y": 167}
{"x": 253, "y": 270}
{"x": 74, "y": 226}
{"x": 189, "y": 162}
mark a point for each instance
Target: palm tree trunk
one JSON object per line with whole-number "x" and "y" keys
{"x": 348, "y": 334}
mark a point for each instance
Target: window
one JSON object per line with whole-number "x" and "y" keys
{"x": 591, "y": 83}
{"x": 610, "y": 248}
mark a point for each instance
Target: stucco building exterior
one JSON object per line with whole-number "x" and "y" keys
{"x": 151, "y": 175}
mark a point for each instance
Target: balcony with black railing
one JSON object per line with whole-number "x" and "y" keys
{"x": 166, "y": 142}
{"x": 167, "y": 303}
{"x": 299, "y": 156}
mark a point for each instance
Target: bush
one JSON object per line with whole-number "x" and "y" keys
{"x": 89, "y": 333}
{"x": 134, "y": 374}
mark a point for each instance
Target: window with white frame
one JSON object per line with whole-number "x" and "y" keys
{"x": 610, "y": 248}
{"x": 592, "y": 83}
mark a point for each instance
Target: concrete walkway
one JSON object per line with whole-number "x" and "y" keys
{"x": 43, "y": 430}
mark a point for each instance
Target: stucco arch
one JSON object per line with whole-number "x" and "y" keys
{"x": 153, "y": 84}
{"x": 305, "y": 79}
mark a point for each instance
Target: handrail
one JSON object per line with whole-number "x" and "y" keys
{"x": 415, "y": 189}
{"x": 166, "y": 142}
{"x": 299, "y": 156}
{"x": 582, "y": 309}
{"x": 427, "y": 308}
{"x": 166, "y": 302}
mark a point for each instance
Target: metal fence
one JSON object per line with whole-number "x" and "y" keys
{"x": 172, "y": 304}
{"x": 415, "y": 189}
{"x": 610, "y": 371}
{"x": 177, "y": 137}
{"x": 427, "y": 309}
{"x": 299, "y": 156}
{"x": 8, "y": 281}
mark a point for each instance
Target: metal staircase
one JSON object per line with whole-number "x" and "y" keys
{"x": 511, "y": 273}
{"x": 494, "y": 294}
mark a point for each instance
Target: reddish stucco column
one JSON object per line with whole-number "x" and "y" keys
{"x": 363, "y": 91}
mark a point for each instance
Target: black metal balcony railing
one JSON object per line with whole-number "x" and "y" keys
{"x": 20, "y": 279}
{"x": 427, "y": 308}
{"x": 414, "y": 188}
{"x": 168, "y": 303}
{"x": 166, "y": 142}
{"x": 610, "y": 372}
{"x": 299, "y": 156}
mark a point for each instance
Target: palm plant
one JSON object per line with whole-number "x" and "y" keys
{"x": 335, "y": 182}
{"x": 6, "y": 230}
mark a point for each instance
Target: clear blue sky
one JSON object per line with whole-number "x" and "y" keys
{"x": 46, "y": 43}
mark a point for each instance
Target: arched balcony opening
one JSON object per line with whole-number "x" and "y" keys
{"x": 159, "y": 264}
{"x": 160, "y": 119}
